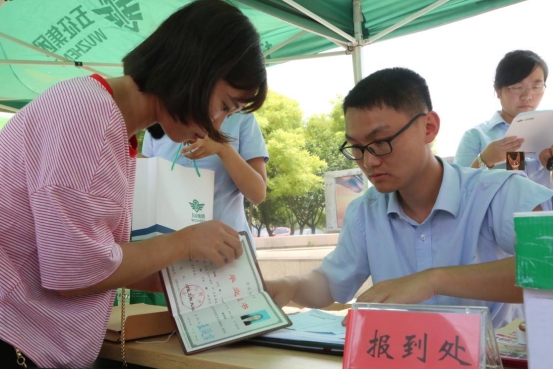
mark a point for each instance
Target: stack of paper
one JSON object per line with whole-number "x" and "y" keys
{"x": 512, "y": 353}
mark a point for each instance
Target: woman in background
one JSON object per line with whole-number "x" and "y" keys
{"x": 519, "y": 84}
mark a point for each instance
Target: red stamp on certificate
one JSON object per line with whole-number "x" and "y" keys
{"x": 387, "y": 339}
{"x": 192, "y": 296}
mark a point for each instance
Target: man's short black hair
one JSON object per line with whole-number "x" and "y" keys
{"x": 400, "y": 89}
{"x": 198, "y": 45}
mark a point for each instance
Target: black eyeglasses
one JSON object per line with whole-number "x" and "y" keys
{"x": 375, "y": 148}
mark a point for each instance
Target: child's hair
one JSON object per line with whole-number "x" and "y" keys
{"x": 200, "y": 44}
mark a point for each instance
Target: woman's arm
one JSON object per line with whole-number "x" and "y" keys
{"x": 212, "y": 240}
{"x": 470, "y": 148}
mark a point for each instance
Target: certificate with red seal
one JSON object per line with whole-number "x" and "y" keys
{"x": 215, "y": 306}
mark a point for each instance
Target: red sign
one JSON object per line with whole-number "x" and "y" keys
{"x": 385, "y": 339}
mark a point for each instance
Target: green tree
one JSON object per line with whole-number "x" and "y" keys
{"x": 296, "y": 175}
{"x": 292, "y": 170}
{"x": 140, "y": 139}
{"x": 324, "y": 135}
{"x": 279, "y": 112}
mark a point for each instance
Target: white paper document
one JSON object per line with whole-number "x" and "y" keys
{"x": 535, "y": 127}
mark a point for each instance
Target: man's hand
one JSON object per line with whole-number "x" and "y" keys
{"x": 282, "y": 290}
{"x": 411, "y": 289}
{"x": 212, "y": 240}
{"x": 496, "y": 150}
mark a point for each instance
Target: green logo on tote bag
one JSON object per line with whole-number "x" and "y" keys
{"x": 196, "y": 206}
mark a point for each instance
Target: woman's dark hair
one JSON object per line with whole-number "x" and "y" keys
{"x": 515, "y": 66}
{"x": 398, "y": 88}
{"x": 198, "y": 45}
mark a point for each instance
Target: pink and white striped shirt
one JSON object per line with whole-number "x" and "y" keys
{"x": 66, "y": 192}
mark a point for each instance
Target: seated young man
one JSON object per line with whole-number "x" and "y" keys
{"x": 427, "y": 231}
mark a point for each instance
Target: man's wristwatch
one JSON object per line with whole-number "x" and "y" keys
{"x": 482, "y": 164}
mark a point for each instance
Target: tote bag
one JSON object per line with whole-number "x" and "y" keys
{"x": 168, "y": 198}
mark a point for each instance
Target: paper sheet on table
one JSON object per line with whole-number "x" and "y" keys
{"x": 535, "y": 127}
{"x": 328, "y": 335}
{"x": 292, "y": 336}
{"x": 317, "y": 321}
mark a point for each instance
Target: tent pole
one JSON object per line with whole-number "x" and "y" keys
{"x": 313, "y": 27}
{"x": 357, "y": 49}
{"x": 310, "y": 56}
{"x": 8, "y": 108}
{"x": 357, "y": 64}
{"x": 320, "y": 20}
{"x": 68, "y": 63}
{"x": 284, "y": 43}
{"x": 405, "y": 21}
{"x": 48, "y": 53}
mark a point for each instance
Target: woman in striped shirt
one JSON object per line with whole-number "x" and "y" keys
{"x": 67, "y": 177}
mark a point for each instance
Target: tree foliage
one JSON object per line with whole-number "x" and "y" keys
{"x": 324, "y": 135}
{"x": 292, "y": 170}
{"x": 140, "y": 139}
{"x": 300, "y": 153}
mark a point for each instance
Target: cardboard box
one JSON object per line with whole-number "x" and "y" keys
{"x": 141, "y": 321}
{"x": 534, "y": 274}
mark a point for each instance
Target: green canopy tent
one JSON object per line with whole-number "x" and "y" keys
{"x": 42, "y": 43}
